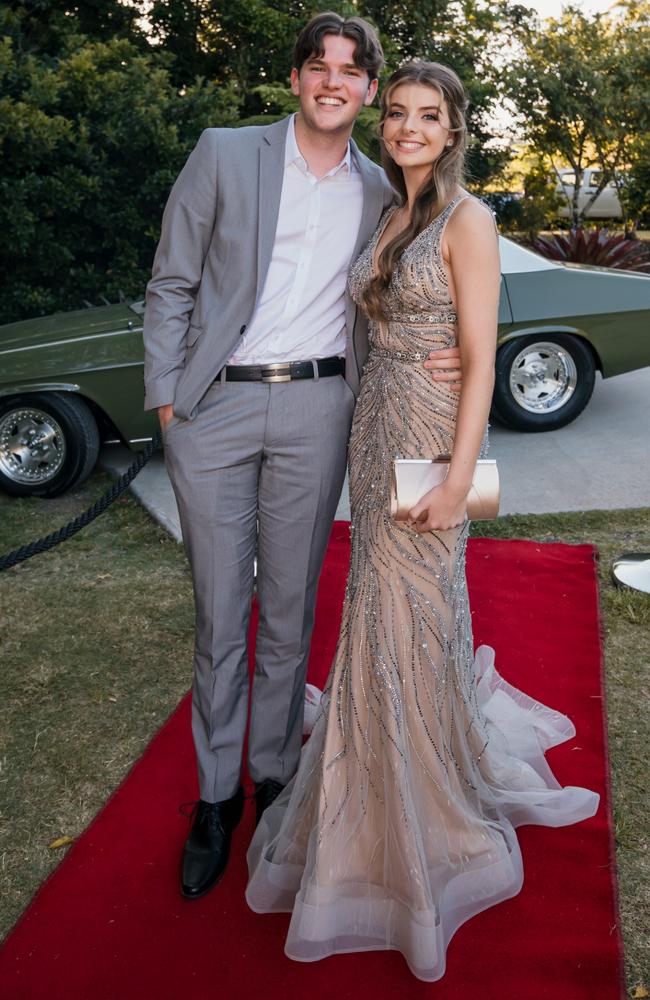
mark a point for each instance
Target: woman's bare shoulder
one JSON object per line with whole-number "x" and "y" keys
{"x": 471, "y": 220}
{"x": 472, "y": 212}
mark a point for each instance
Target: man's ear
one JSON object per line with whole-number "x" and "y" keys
{"x": 372, "y": 92}
{"x": 295, "y": 82}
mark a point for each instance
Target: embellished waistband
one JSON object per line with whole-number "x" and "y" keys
{"x": 442, "y": 318}
{"x": 390, "y": 355}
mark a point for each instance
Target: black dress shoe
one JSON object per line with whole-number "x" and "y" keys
{"x": 208, "y": 846}
{"x": 266, "y": 792}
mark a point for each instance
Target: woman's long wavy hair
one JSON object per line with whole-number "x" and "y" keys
{"x": 446, "y": 173}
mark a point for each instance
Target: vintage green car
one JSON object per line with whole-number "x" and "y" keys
{"x": 72, "y": 381}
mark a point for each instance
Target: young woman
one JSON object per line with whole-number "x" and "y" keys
{"x": 399, "y": 824}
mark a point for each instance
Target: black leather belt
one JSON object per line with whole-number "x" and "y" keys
{"x": 283, "y": 371}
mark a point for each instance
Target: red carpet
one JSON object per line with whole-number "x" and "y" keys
{"x": 110, "y": 924}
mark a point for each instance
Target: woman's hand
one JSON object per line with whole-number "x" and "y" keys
{"x": 440, "y": 509}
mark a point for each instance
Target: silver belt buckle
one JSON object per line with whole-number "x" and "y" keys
{"x": 272, "y": 377}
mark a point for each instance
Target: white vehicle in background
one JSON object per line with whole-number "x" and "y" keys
{"x": 606, "y": 205}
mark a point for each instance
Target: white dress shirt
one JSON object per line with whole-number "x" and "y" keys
{"x": 301, "y": 312}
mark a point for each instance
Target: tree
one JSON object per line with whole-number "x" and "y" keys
{"x": 90, "y": 145}
{"x": 251, "y": 42}
{"x": 246, "y": 41}
{"x": 635, "y": 193}
{"x": 580, "y": 88}
{"x": 632, "y": 76}
{"x": 467, "y": 35}
{"x": 101, "y": 102}
{"x": 42, "y": 27}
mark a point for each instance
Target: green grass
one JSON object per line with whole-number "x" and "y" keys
{"x": 96, "y": 651}
{"x": 96, "y": 647}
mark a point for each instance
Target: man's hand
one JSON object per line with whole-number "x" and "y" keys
{"x": 444, "y": 366}
{"x": 165, "y": 413}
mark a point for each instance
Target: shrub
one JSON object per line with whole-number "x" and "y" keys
{"x": 507, "y": 207}
{"x": 594, "y": 246}
{"x": 91, "y": 144}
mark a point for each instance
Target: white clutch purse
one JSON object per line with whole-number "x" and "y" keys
{"x": 413, "y": 477}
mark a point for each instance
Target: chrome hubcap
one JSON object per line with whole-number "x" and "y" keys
{"x": 32, "y": 446}
{"x": 543, "y": 377}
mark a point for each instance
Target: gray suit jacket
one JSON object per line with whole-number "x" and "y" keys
{"x": 214, "y": 252}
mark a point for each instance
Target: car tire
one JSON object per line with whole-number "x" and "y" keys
{"x": 49, "y": 443}
{"x": 542, "y": 381}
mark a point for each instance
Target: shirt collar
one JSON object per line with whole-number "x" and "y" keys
{"x": 292, "y": 154}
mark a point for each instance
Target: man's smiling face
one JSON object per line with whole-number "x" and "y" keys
{"x": 331, "y": 87}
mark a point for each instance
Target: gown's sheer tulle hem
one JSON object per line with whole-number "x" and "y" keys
{"x": 361, "y": 921}
{"x": 360, "y": 916}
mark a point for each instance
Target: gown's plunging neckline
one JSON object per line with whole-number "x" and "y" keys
{"x": 383, "y": 226}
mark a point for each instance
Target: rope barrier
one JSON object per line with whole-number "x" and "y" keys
{"x": 56, "y": 537}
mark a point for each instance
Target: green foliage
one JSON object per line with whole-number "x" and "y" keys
{"x": 506, "y": 207}
{"x": 91, "y": 146}
{"x": 267, "y": 103}
{"x": 44, "y": 27}
{"x": 581, "y": 89}
{"x": 541, "y": 201}
{"x": 532, "y": 209}
{"x": 366, "y": 133}
{"x": 466, "y": 35}
{"x": 101, "y": 102}
{"x": 247, "y": 41}
{"x": 251, "y": 42}
{"x": 636, "y": 193}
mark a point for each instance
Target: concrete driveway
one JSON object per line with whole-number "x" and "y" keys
{"x": 599, "y": 462}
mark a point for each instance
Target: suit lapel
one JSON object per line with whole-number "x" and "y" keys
{"x": 373, "y": 201}
{"x": 271, "y": 174}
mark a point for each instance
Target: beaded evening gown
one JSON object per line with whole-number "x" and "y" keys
{"x": 399, "y": 824}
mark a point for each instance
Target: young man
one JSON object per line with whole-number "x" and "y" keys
{"x": 253, "y": 358}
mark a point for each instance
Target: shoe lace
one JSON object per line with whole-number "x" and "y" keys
{"x": 208, "y": 816}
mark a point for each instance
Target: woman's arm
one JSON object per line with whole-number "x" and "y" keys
{"x": 473, "y": 254}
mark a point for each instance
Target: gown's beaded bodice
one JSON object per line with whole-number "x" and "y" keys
{"x": 418, "y": 294}
{"x": 401, "y": 410}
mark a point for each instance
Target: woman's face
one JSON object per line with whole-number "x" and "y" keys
{"x": 416, "y": 127}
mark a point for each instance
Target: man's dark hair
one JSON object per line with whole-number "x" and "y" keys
{"x": 368, "y": 54}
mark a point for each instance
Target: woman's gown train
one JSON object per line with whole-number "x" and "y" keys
{"x": 400, "y": 822}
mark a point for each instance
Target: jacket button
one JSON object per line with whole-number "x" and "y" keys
{"x": 242, "y": 329}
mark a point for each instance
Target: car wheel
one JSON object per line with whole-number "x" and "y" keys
{"x": 542, "y": 382}
{"x": 49, "y": 442}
